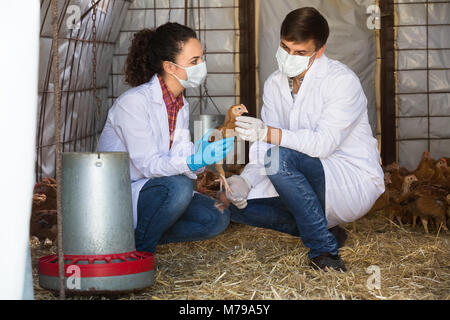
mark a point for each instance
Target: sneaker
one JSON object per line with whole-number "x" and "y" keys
{"x": 328, "y": 260}
{"x": 340, "y": 234}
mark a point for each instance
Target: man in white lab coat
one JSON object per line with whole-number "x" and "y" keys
{"x": 314, "y": 162}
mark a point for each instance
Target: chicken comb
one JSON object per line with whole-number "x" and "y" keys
{"x": 37, "y": 185}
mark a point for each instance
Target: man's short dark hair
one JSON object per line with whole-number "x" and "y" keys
{"x": 305, "y": 24}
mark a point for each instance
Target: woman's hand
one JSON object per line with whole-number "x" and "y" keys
{"x": 207, "y": 153}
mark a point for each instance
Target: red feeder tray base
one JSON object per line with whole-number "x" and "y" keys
{"x": 92, "y": 266}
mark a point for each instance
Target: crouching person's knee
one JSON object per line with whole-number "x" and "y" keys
{"x": 277, "y": 160}
{"x": 220, "y": 224}
{"x": 180, "y": 191}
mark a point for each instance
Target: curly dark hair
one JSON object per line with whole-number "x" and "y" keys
{"x": 150, "y": 47}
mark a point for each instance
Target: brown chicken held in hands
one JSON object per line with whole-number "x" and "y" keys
{"x": 226, "y": 130}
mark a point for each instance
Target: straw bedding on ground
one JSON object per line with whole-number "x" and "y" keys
{"x": 252, "y": 263}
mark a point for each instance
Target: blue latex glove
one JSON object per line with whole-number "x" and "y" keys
{"x": 207, "y": 153}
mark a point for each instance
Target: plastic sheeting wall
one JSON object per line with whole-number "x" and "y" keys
{"x": 423, "y": 62}
{"x": 214, "y": 22}
{"x": 350, "y": 42}
{"x": 75, "y": 60}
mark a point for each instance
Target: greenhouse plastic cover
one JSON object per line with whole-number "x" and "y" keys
{"x": 219, "y": 14}
{"x": 412, "y": 84}
{"x": 75, "y": 72}
{"x": 117, "y": 21}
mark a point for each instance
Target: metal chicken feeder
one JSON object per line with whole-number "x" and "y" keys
{"x": 98, "y": 238}
{"x": 200, "y": 124}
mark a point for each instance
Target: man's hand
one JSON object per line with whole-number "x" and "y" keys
{"x": 240, "y": 188}
{"x": 251, "y": 129}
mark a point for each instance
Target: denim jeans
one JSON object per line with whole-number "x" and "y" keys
{"x": 300, "y": 208}
{"x": 167, "y": 212}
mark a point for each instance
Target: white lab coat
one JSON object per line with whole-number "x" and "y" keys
{"x": 137, "y": 123}
{"x": 328, "y": 120}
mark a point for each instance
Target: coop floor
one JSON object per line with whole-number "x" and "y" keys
{"x": 251, "y": 263}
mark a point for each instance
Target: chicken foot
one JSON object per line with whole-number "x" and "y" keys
{"x": 224, "y": 183}
{"x": 425, "y": 224}
{"x": 441, "y": 223}
{"x": 414, "y": 221}
{"x": 222, "y": 179}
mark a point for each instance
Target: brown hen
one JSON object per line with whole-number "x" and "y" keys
{"x": 431, "y": 203}
{"x": 425, "y": 169}
{"x": 43, "y": 211}
{"x": 396, "y": 177}
{"x": 226, "y": 130}
{"x": 440, "y": 174}
{"x": 402, "y": 202}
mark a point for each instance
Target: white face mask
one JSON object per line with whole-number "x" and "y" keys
{"x": 290, "y": 65}
{"x": 195, "y": 75}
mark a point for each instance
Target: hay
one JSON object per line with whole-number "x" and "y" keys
{"x": 252, "y": 263}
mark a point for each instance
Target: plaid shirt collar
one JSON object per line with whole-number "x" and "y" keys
{"x": 173, "y": 105}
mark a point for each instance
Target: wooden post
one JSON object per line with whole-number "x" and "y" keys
{"x": 388, "y": 116}
{"x": 247, "y": 55}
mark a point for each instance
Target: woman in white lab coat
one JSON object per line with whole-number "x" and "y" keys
{"x": 150, "y": 121}
{"x": 315, "y": 163}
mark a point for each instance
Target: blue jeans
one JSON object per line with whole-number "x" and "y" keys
{"x": 167, "y": 212}
{"x": 300, "y": 208}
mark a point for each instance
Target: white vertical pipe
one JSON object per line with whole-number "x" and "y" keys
{"x": 19, "y": 57}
